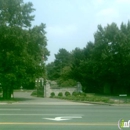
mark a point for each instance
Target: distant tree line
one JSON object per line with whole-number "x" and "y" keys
{"x": 103, "y": 66}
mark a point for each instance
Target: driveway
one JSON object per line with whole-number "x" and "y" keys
{"x": 24, "y": 97}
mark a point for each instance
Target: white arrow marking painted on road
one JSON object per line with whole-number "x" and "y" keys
{"x": 61, "y": 118}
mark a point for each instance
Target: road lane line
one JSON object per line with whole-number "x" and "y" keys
{"x": 40, "y": 114}
{"x": 54, "y": 103}
{"x": 10, "y": 109}
{"x": 58, "y": 124}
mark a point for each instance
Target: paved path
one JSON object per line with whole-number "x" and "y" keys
{"x": 26, "y": 98}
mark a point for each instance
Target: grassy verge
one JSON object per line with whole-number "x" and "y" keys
{"x": 85, "y": 98}
{"x": 92, "y": 98}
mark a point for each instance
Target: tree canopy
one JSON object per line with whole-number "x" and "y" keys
{"x": 22, "y": 47}
{"x": 103, "y": 65}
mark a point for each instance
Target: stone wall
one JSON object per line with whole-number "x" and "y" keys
{"x": 52, "y": 86}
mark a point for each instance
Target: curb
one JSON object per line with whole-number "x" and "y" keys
{"x": 98, "y": 103}
{"x": 109, "y": 104}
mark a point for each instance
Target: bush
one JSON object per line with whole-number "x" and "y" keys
{"x": 34, "y": 93}
{"x": 52, "y": 94}
{"x": 79, "y": 94}
{"x": 40, "y": 93}
{"x": 67, "y": 94}
{"x": 74, "y": 93}
{"x": 37, "y": 93}
{"x": 60, "y": 94}
{"x": 82, "y": 94}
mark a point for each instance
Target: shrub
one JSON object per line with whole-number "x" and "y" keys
{"x": 105, "y": 100}
{"x": 82, "y": 94}
{"x": 79, "y": 94}
{"x": 52, "y": 94}
{"x": 67, "y": 94}
{"x": 60, "y": 94}
{"x": 34, "y": 93}
{"x": 37, "y": 93}
{"x": 40, "y": 93}
{"x": 74, "y": 93}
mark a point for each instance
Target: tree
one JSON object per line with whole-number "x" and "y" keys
{"x": 22, "y": 48}
{"x": 62, "y": 59}
{"x": 77, "y": 57}
{"x": 50, "y": 69}
{"x": 59, "y": 70}
{"x": 110, "y": 58}
{"x": 16, "y": 13}
{"x": 102, "y": 66}
{"x": 82, "y": 69}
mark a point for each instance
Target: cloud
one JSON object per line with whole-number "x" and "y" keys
{"x": 99, "y": 2}
{"x": 107, "y": 16}
{"x": 122, "y": 1}
{"x": 108, "y": 12}
{"x": 61, "y": 30}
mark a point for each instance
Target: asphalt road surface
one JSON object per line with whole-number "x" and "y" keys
{"x": 30, "y": 113}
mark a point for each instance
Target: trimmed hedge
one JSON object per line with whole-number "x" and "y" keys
{"x": 67, "y": 94}
{"x": 52, "y": 94}
{"x": 74, "y": 93}
{"x": 60, "y": 94}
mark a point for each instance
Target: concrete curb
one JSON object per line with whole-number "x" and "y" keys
{"x": 102, "y": 103}
{"x": 98, "y": 103}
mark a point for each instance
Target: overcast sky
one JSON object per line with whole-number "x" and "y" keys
{"x": 72, "y": 23}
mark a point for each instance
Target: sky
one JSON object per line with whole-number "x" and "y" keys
{"x": 72, "y": 23}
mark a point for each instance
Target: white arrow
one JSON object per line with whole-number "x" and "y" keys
{"x": 62, "y": 118}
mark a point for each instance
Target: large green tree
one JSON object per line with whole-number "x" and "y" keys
{"x": 22, "y": 47}
{"x": 112, "y": 50}
{"x": 104, "y": 67}
{"x": 55, "y": 69}
{"x": 59, "y": 70}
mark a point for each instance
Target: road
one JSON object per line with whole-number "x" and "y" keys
{"x": 53, "y": 114}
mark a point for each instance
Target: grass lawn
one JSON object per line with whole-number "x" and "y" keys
{"x": 95, "y": 98}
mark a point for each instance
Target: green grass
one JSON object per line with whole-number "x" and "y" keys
{"x": 93, "y": 98}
